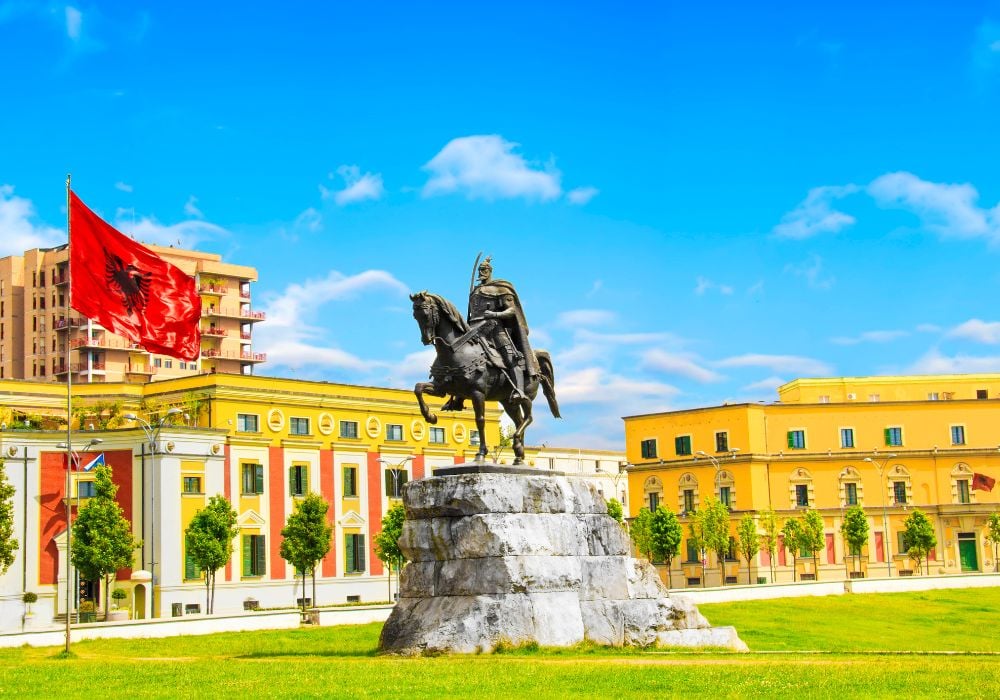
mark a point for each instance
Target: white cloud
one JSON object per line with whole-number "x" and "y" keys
{"x": 790, "y": 364}
{"x": 974, "y": 329}
{"x": 680, "y": 364}
{"x": 357, "y": 187}
{"x": 585, "y": 317}
{"x": 186, "y": 234}
{"x": 595, "y": 288}
{"x": 582, "y": 195}
{"x": 310, "y": 220}
{"x": 870, "y": 337}
{"x": 124, "y": 187}
{"x": 597, "y": 385}
{"x": 295, "y": 353}
{"x": 814, "y": 215}
{"x": 411, "y": 369}
{"x": 812, "y": 272}
{"x": 486, "y": 167}
{"x": 19, "y": 227}
{"x": 928, "y": 328}
{"x": 936, "y": 363}
{"x": 74, "y": 22}
{"x": 704, "y": 285}
{"x": 627, "y": 338}
{"x": 770, "y": 384}
{"x": 191, "y": 208}
{"x": 950, "y": 210}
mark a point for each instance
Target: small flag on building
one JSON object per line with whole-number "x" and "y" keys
{"x": 982, "y": 482}
{"x": 129, "y": 289}
{"x": 97, "y": 461}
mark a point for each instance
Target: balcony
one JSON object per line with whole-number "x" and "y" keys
{"x": 212, "y": 353}
{"x": 213, "y": 289}
{"x": 63, "y": 323}
{"x": 242, "y": 314}
{"x": 143, "y": 370}
{"x": 244, "y": 337}
{"x": 106, "y": 343}
{"x": 215, "y": 332}
{"x": 59, "y": 280}
{"x": 253, "y": 315}
{"x": 76, "y": 367}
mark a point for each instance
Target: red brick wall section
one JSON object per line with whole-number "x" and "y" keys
{"x": 277, "y": 484}
{"x": 227, "y": 491}
{"x": 418, "y": 467}
{"x": 374, "y": 509}
{"x": 326, "y": 489}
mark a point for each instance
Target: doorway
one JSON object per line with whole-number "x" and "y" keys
{"x": 139, "y": 602}
{"x": 967, "y": 551}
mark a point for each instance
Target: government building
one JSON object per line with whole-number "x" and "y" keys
{"x": 888, "y": 444}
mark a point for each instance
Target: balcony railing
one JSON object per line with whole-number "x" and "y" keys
{"x": 62, "y": 323}
{"x": 253, "y": 315}
{"x": 107, "y": 343}
{"x": 218, "y": 332}
{"x": 212, "y": 353}
{"x": 216, "y": 289}
{"x": 232, "y": 313}
{"x": 244, "y": 335}
{"x": 59, "y": 280}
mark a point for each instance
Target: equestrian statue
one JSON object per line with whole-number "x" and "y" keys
{"x": 484, "y": 356}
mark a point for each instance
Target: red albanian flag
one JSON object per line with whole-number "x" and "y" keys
{"x": 129, "y": 289}
{"x": 983, "y": 482}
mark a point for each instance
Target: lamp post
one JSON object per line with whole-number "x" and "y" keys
{"x": 615, "y": 478}
{"x": 152, "y": 432}
{"x": 72, "y": 461}
{"x": 885, "y": 518}
{"x": 394, "y": 469}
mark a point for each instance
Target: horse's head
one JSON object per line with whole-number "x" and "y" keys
{"x": 425, "y": 311}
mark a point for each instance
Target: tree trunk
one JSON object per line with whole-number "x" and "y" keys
{"x": 669, "y": 581}
{"x": 816, "y": 567}
{"x": 208, "y": 593}
{"x": 107, "y": 598}
{"x": 315, "y": 603}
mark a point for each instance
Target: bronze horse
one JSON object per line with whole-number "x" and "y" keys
{"x": 463, "y": 370}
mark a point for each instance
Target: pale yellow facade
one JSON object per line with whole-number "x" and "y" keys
{"x": 898, "y": 451}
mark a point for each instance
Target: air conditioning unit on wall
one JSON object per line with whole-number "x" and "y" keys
{"x": 852, "y": 396}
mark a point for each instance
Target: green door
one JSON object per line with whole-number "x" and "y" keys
{"x": 967, "y": 553}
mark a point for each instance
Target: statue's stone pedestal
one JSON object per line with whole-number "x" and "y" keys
{"x": 500, "y": 557}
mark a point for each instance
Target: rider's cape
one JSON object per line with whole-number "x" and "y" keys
{"x": 519, "y": 328}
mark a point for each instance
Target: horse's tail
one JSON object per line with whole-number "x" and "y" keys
{"x": 548, "y": 379}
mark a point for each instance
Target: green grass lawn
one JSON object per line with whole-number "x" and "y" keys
{"x": 341, "y": 661}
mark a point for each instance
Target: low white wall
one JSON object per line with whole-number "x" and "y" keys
{"x": 922, "y": 583}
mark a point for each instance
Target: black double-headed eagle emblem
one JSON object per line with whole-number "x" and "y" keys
{"x": 127, "y": 281}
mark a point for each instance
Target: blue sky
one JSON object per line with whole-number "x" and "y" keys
{"x": 696, "y": 202}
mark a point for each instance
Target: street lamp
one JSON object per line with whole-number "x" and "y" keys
{"x": 73, "y": 460}
{"x": 152, "y": 431}
{"x": 394, "y": 469}
{"x": 885, "y": 518}
{"x": 615, "y": 477}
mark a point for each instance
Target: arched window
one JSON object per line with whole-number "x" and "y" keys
{"x": 899, "y": 486}
{"x": 961, "y": 484}
{"x": 801, "y": 493}
{"x": 725, "y": 488}
{"x": 687, "y": 494}
{"x": 652, "y": 492}
{"x": 851, "y": 488}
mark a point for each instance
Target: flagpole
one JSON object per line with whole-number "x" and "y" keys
{"x": 69, "y": 408}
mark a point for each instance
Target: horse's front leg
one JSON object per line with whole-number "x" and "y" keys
{"x": 479, "y": 408}
{"x": 419, "y": 390}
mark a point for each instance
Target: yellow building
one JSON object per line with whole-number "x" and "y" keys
{"x": 260, "y": 442}
{"x": 36, "y": 325}
{"x": 889, "y": 444}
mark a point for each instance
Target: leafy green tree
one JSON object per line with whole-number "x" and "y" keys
{"x": 769, "y": 524}
{"x": 993, "y": 536}
{"x": 792, "y": 532}
{"x": 714, "y": 516}
{"x": 615, "y": 510}
{"x": 306, "y": 539}
{"x": 102, "y": 537}
{"x": 665, "y": 534}
{"x": 208, "y": 540}
{"x": 639, "y": 531}
{"x": 387, "y": 541}
{"x": 918, "y": 533}
{"x": 855, "y": 529}
{"x": 813, "y": 537}
{"x": 748, "y": 541}
{"x": 8, "y": 543}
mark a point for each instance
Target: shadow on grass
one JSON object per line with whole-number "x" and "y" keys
{"x": 370, "y": 653}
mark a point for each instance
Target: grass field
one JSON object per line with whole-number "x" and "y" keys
{"x": 341, "y": 661}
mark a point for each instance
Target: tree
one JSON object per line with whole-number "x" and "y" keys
{"x": 993, "y": 536}
{"x": 769, "y": 524}
{"x": 665, "y": 537}
{"x": 306, "y": 539}
{"x": 813, "y": 537}
{"x": 102, "y": 537}
{"x": 506, "y": 440}
{"x": 208, "y": 541}
{"x": 8, "y": 543}
{"x": 639, "y": 531}
{"x": 855, "y": 530}
{"x": 387, "y": 541}
{"x": 615, "y": 510}
{"x": 748, "y": 540}
{"x": 715, "y": 531}
{"x": 792, "y": 532}
{"x": 918, "y": 534}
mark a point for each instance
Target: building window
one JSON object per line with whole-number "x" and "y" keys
{"x": 253, "y": 479}
{"x": 722, "y": 442}
{"x": 893, "y": 437}
{"x": 963, "y": 491}
{"x": 354, "y": 546}
{"x": 298, "y": 480}
{"x": 802, "y": 495}
{"x": 191, "y": 570}
{"x": 254, "y": 555}
{"x": 192, "y": 484}
{"x": 473, "y": 437}
{"x": 85, "y": 489}
{"x": 395, "y": 479}
{"x": 731, "y": 552}
{"x": 350, "y": 482}
{"x": 654, "y": 501}
{"x": 298, "y": 426}
{"x": 851, "y": 494}
{"x": 168, "y": 364}
{"x": 349, "y": 429}
{"x": 692, "y": 552}
{"x": 648, "y": 449}
{"x": 394, "y": 432}
{"x": 847, "y": 437}
{"x": 982, "y": 394}
{"x": 682, "y": 445}
{"x": 157, "y": 362}
{"x": 902, "y": 543}
{"x": 824, "y": 398}
{"x": 899, "y": 492}
{"x": 247, "y": 423}
{"x": 437, "y": 436}
{"x": 932, "y": 396}
{"x": 958, "y": 435}
{"x": 688, "y": 501}
{"x": 874, "y": 398}
{"x": 796, "y": 439}
{"x": 724, "y": 496}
